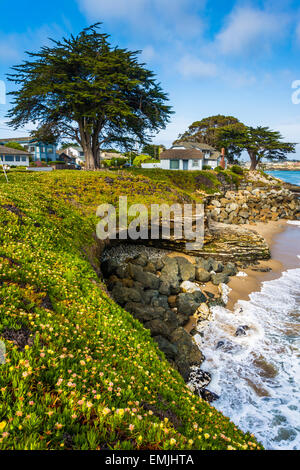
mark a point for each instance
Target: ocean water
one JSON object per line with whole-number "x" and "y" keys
{"x": 257, "y": 376}
{"x": 292, "y": 177}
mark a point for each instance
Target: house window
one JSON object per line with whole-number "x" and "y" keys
{"x": 9, "y": 158}
{"x": 32, "y": 149}
{"x": 18, "y": 158}
{"x": 50, "y": 150}
{"x": 24, "y": 159}
{"x": 43, "y": 149}
{"x": 196, "y": 163}
{"x": 174, "y": 164}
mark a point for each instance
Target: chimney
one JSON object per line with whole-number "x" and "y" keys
{"x": 222, "y": 162}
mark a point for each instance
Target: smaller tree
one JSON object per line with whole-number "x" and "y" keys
{"x": 260, "y": 143}
{"x": 65, "y": 145}
{"x": 47, "y": 133}
{"x": 265, "y": 143}
{"x": 15, "y": 145}
{"x": 139, "y": 159}
{"x": 153, "y": 150}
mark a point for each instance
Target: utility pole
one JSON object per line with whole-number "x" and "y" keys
{"x": 4, "y": 171}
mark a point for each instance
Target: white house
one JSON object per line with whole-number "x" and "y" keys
{"x": 74, "y": 152}
{"x": 77, "y": 153}
{"x": 187, "y": 156}
{"x": 13, "y": 157}
{"x": 190, "y": 156}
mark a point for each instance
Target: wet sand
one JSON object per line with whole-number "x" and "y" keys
{"x": 284, "y": 242}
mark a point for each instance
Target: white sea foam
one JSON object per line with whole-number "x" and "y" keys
{"x": 294, "y": 222}
{"x": 241, "y": 274}
{"x": 258, "y": 375}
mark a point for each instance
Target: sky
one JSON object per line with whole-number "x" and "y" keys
{"x": 238, "y": 58}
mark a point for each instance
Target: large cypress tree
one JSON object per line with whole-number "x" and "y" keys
{"x": 91, "y": 92}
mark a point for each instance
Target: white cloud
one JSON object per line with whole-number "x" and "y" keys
{"x": 192, "y": 67}
{"x": 148, "y": 53}
{"x": 13, "y": 46}
{"x": 152, "y": 17}
{"x": 250, "y": 29}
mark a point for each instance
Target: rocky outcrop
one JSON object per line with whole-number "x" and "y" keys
{"x": 253, "y": 205}
{"x": 233, "y": 243}
{"x": 164, "y": 294}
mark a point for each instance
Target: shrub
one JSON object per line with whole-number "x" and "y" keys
{"x": 206, "y": 167}
{"x": 237, "y": 169}
{"x": 139, "y": 159}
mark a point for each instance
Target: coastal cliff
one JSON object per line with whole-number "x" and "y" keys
{"x": 79, "y": 367}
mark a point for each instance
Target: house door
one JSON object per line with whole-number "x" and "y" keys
{"x": 185, "y": 164}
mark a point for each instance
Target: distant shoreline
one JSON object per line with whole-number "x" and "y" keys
{"x": 283, "y": 169}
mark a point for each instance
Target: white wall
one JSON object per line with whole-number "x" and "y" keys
{"x": 39, "y": 168}
{"x": 152, "y": 165}
{"x": 212, "y": 163}
{"x": 165, "y": 165}
{"x": 15, "y": 163}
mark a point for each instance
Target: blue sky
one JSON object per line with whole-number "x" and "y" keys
{"x": 237, "y": 58}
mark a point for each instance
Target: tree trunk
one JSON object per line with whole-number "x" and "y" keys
{"x": 254, "y": 160}
{"x": 90, "y": 146}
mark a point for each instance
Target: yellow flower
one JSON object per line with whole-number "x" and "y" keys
{"x": 172, "y": 441}
{"x": 206, "y": 436}
{"x": 2, "y": 425}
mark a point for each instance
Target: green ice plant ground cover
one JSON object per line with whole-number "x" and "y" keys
{"x": 89, "y": 375}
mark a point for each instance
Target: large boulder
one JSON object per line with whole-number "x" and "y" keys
{"x": 187, "y": 305}
{"x": 186, "y": 270}
{"x": 188, "y": 352}
{"x": 205, "y": 263}
{"x": 123, "y": 294}
{"x": 168, "y": 348}
{"x": 144, "y": 313}
{"x": 147, "y": 280}
{"x": 158, "y": 327}
{"x": 219, "y": 278}
{"x": 165, "y": 287}
{"x": 122, "y": 271}
{"x": 169, "y": 278}
{"x": 202, "y": 275}
{"x": 217, "y": 266}
{"x": 230, "y": 269}
{"x": 108, "y": 267}
{"x": 141, "y": 260}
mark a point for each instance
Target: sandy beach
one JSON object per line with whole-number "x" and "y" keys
{"x": 283, "y": 240}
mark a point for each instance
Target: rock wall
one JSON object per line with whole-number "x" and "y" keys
{"x": 164, "y": 294}
{"x": 253, "y": 205}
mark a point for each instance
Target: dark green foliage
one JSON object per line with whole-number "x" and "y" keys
{"x": 48, "y": 134}
{"x": 153, "y": 150}
{"x": 15, "y": 145}
{"x": 229, "y": 133}
{"x": 92, "y": 92}
{"x": 208, "y": 131}
{"x": 237, "y": 169}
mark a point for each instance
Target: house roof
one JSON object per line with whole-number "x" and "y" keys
{"x": 215, "y": 154}
{"x": 8, "y": 151}
{"x": 181, "y": 154}
{"x": 193, "y": 145}
{"x": 18, "y": 139}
